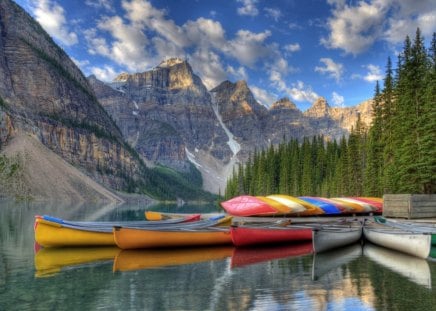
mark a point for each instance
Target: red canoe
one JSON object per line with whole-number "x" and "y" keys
{"x": 246, "y": 205}
{"x": 243, "y": 235}
{"x": 377, "y": 203}
{"x": 252, "y": 255}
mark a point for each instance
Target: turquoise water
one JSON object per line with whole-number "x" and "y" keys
{"x": 219, "y": 278}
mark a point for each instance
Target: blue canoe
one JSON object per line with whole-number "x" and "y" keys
{"x": 328, "y": 208}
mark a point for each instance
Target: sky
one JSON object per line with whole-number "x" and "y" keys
{"x": 336, "y": 49}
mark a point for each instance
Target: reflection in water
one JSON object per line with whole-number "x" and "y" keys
{"x": 49, "y": 261}
{"x": 413, "y": 268}
{"x": 327, "y": 261}
{"x": 204, "y": 279}
{"x": 137, "y": 259}
{"x": 252, "y": 255}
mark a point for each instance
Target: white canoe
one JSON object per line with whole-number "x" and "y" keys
{"x": 415, "y": 269}
{"x": 413, "y": 243}
{"x": 327, "y": 237}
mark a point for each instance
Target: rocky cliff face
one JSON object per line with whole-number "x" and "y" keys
{"x": 171, "y": 119}
{"x": 165, "y": 113}
{"x": 45, "y": 95}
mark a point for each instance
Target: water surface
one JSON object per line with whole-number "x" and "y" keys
{"x": 287, "y": 277}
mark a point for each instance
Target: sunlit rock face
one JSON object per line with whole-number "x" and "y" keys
{"x": 44, "y": 94}
{"x": 164, "y": 111}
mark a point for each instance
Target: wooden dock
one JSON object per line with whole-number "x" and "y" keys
{"x": 409, "y": 206}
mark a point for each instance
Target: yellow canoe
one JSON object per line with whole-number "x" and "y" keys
{"x": 293, "y": 207}
{"x": 138, "y": 259}
{"x": 53, "y": 234}
{"x": 49, "y": 261}
{"x": 131, "y": 238}
{"x": 309, "y": 209}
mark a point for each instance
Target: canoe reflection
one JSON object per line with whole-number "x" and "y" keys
{"x": 252, "y": 255}
{"x": 413, "y": 268}
{"x": 138, "y": 259}
{"x": 49, "y": 261}
{"x": 327, "y": 261}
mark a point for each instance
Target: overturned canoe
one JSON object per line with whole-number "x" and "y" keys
{"x": 327, "y": 207}
{"x": 414, "y": 243}
{"x": 244, "y": 235}
{"x": 55, "y": 232}
{"x": 295, "y": 205}
{"x": 246, "y": 205}
{"x": 327, "y": 237}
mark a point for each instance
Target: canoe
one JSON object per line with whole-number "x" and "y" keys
{"x": 414, "y": 243}
{"x": 293, "y": 206}
{"x": 158, "y": 216}
{"x": 244, "y": 256}
{"x": 132, "y": 238}
{"x": 366, "y": 208}
{"x": 327, "y": 261}
{"x": 327, "y": 237}
{"x": 140, "y": 259}
{"x": 343, "y": 207}
{"x": 244, "y": 235}
{"x": 374, "y": 202}
{"x": 296, "y": 203}
{"x": 410, "y": 226}
{"x": 413, "y": 268}
{"x": 49, "y": 261}
{"x": 246, "y": 205}
{"x": 328, "y": 208}
{"x": 55, "y": 232}
{"x": 355, "y": 207}
{"x": 281, "y": 209}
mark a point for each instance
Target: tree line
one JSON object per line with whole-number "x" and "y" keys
{"x": 396, "y": 154}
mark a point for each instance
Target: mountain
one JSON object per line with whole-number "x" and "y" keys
{"x": 43, "y": 95}
{"x": 171, "y": 119}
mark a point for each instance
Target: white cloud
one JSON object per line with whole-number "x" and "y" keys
{"x": 354, "y": 28}
{"x": 105, "y": 4}
{"x": 374, "y": 73}
{"x": 107, "y": 73}
{"x": 248, "y": 46}
{"x": 293, "y": 47}
{"x": 51, "y": 16}
{"x": 249, "y": 8}
{"x": 274, "y": 13}
{"x": 80, "y": 63}
{"x": 262, "y": 96}
{"x": 209, "y": 66}
{"x": 239, "y": 74}
{"x": 298, "y": 91}
{"x": 332, "y": 69}
{"x": 338, "y": 100}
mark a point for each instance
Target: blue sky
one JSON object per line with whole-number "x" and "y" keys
{"x": 299, "y": 49}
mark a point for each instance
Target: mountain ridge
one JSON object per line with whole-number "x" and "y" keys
{"x": 228, "y": 117}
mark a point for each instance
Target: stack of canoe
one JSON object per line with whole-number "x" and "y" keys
{"x": 279, "y": 204}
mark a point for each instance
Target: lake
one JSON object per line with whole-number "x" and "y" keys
{"x": 287, "y": 277}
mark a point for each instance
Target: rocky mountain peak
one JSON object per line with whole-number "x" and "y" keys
{"x": 171, "y": 62}
{"x": 122, "y": 77}
{"x": 320, "y": 108}
{"x": 283, "y": 103}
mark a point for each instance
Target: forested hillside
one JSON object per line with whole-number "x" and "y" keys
{"x": 396, "y": 154}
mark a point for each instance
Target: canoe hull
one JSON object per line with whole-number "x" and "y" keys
{"x": 325, "y": 239}
{"x": 132, "y": 238}
{"x": 49, "y": 234}
{"x": 416, "y": 244}
{"x": 245, "y": 235}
